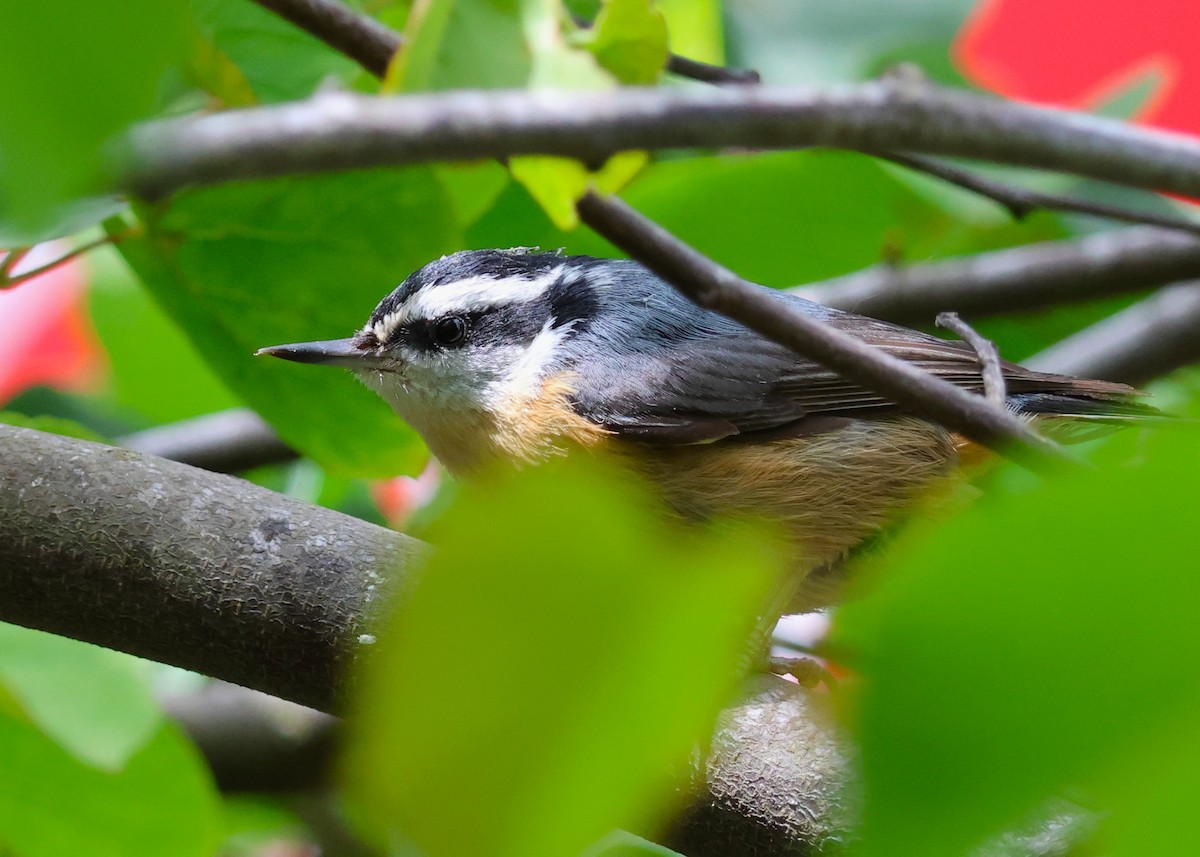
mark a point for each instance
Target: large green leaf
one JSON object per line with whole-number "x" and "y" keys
{"x": 243, "y": 266}
{"x": 161, "y": 804}
{"x": 75, "y": 72}
{"x": 94, "y": 702}
{"x": 562, "y": 653}
{"x": 629, "y": 38}
{"x": 279, "y": 61}
{"x": 781, "y": 219}
{"x": 144, "y": 346}
{"x": 461, "y": 44}
{"x": 1018, "y": 649}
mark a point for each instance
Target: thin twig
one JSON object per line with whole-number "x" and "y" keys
{"x": 718, "y": 289}
{"x": 11, "y": 259}
{"x": 1021, "y": 202}
{"x": 708, "y": 73}
{"x": 990, "y": 369}
{"x": 8, "y": 281}
{"x": 1017, "y": 279}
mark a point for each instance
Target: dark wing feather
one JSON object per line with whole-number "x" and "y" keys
{"x": 715, "y": 379}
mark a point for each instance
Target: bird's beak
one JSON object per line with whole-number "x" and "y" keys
{"x": 330, "y": 352}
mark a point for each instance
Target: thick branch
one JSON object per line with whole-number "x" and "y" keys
{"x": 337, "y": 131}
{"x": 187, "y": 567}
{"x": 719, "y": 289}
{"x": 1023, "y": 278}
{"x": 1149, "y": 339}
{"x": 217, "y": 575}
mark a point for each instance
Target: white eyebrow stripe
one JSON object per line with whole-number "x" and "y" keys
{"x": 468, "y": 295}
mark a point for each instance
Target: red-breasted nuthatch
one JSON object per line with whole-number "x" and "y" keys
{"x": 518, "y": 355}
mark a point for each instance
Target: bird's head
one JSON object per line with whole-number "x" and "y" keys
{"x": 476, "y": 331}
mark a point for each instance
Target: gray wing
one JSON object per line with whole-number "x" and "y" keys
{"x": 694, "y": 377}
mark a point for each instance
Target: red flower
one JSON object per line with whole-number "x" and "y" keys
{"x": 1081, "y": 53}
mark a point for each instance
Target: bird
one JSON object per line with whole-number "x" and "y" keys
{"x": 515, "y": 356}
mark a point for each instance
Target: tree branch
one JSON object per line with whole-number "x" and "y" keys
{"x": 337, "y": 131}
{"x": 719, "y": 289}
{"x": 360, "y": 37}
{"x": 1149, "y": 339}
{"x": 187, "y": 567}
{"x": 1021, "y": 202}
{"x": 1022, "y": 278}
{"x": 214, "y": 574}
{"x": 989, "y": 357}
{"x": 226, "y": 442}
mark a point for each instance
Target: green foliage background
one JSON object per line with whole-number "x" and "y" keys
{"x": 1035, "y": 645}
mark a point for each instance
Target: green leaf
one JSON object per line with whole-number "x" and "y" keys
{"x": 144, "y": 346}
{"x": 278, "y": 60}
{"x": 996, "y": 654}
{"x": 558, "y": 183}
{"x": 695, "y": 29}
{"x": 461, "y": 44}
{"x": 161, "y": 804}
{"x": 94, "y": 702}
{"x": 240, "y": 267}
{"x": 67, "y": 219}
{"x": 621, "y": 843}
{"x": 563, "y": 652}
{"x": 779, "y": 219}
{"x": 51, "y": 425}
{"x": 629, "y": 38}
{"x": 75, "y": 73}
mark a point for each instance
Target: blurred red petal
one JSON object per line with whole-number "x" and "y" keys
{"x": 45, "y": 337}
{"x": 1080, "y": 53}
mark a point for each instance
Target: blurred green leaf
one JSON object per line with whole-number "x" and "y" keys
{"x": 75, "y": 73}
{"x": 145, "y": 347}
{"x": 161, "y": 804}
{"x": 779, "y": 219}
{"x": 51, "y": 425}
{"x": 94, "y": 702}
{"x": 621, "y": 843}
{"x": 558, "y": 183}
{"x": 1151, "y": 793}
{"x": 695, "y": 29}
{"x": 472, "y": 188}
{"x": 997, "y": 655}
{"x": 629, "y": 38}
{"x": 66, "y": 219}
{"x": 240, "y": 267}
{"x": 253, "y": 823}
{"x": 560, "y": 656}
{"x": 278, "y": 60}
{"x": 461, "y": 44}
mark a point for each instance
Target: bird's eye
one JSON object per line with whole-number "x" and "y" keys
{"x": 448, "y": 331}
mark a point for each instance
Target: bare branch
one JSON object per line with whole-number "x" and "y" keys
{"x": 217, "y": 575}
{"x": 226, "y": 442}
{"x": 1022, "y": 202}
{"x": 336, "y": 131}
{"x": 1022, "y": 278}
{"x": 187, "y": 567}
{"x": 360, "y": 37}
{"x": 719, "y": 289}
{"x": 707, "y": 73}
{"x": 1147, "y": 340}
{"x": 991, "y": 372}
